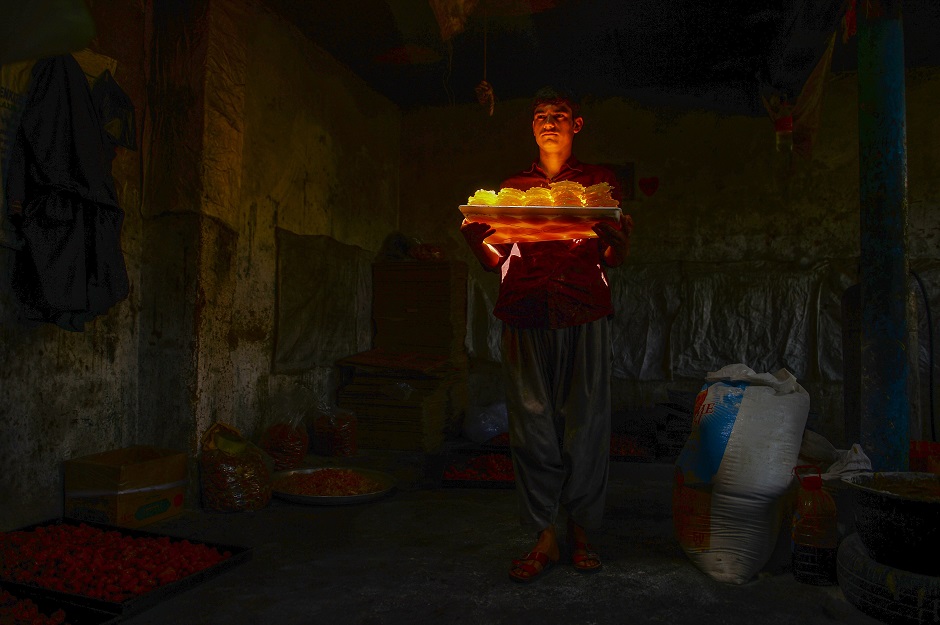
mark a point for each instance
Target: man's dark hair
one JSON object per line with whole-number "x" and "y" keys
{"x": 551, "y": 95}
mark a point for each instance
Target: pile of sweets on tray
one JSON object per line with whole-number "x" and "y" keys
{"x": 564, "y": 193}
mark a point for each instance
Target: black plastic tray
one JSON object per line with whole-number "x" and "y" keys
{"x": 137, "y": 604}
{"x": 643, "y": 444}
{"x": 489, "y": 484}
{"x": 462, "y": 456}
{"x": 74, "y": 614}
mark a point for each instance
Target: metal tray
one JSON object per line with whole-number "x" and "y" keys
{"x": 137, "y": 604}
{"x": 387, "y": 482}
{"x": 74, "y": 615}
{"x": 591, "y": 213}
{"x": 516, "y": 224}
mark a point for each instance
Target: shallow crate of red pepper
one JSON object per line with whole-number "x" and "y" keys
{"x": 111, "y": 569}
{"x": 20, "y": 609}
{"x": 630, "y": 447}
{"x": 500, "y": 443}
{"x": 479, "y": 470}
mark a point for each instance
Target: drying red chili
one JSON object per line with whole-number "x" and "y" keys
{"x": 335, "y": 434}
{"x": 98, "y": 563}
{"x": 234, "y": 482}
{"x": 488, "y": 467}
{"x": 327, "y": 483}
{"x": 626, "y": 445}
{"x": 287, "y": 444}
{"x": 16, "y": 611}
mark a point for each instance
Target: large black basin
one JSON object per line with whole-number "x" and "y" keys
{"x": 897, "y": 516}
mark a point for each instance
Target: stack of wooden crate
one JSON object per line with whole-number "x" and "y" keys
{"x": 410, "y": 391}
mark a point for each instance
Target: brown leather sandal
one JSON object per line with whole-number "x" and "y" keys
{"x": 523, "y": 571}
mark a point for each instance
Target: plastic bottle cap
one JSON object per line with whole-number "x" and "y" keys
{"x": 812, "y": 482}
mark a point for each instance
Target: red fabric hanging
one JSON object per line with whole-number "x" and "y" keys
{"x": 802, "y": 117}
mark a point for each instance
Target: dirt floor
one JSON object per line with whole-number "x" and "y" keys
{"x": 427, "y": 554}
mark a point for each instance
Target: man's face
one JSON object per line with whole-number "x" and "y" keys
{"x": 554, "y": 128}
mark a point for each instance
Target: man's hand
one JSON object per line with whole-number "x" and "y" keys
{"x": 475, "y": 233}
{"x": 616, "y": 240}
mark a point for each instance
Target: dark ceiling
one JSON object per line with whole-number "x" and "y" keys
{"x": 718, "y": 54}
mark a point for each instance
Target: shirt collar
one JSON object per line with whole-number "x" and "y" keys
{"x": 572, "y": 163}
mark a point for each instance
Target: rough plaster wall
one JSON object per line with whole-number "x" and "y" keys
{"x": 194, "y": 150}
{"x": 176, "y": 43}
{"x": 70, "y": 394}
{"x": 726, "y": 205}
{"x": 221, "y": 163}
{"x": 167, "y": 371}
{"x": 287, "y": 138}
{"x": 317, "y": 152}
{"x": 320, "y": 157}
{"x": 322, "y": 148}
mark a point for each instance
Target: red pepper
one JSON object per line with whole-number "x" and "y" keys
{"x": 16, "y": 611}
{"x": 115, "y": 567}
{"x": 485, "y": 467}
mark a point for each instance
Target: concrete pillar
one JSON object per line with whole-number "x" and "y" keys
{"x": 190, "y": 231}
{"x": 883, "y": 268}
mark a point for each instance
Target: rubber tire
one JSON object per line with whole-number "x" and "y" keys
{"x": 888, "y": 594}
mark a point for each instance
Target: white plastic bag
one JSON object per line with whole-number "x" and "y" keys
{"x": 735, "y": 469}
{"x": 483, "y": 423}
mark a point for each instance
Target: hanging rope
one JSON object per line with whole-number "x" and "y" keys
{"x": 484, "y": 90}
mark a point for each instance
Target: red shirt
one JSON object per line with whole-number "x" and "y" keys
{"x": 555, "y": 284}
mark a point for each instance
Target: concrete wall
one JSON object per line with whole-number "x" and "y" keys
{"x": 246, "y": 128}
{"x": 729, "y": 207}
{"x": 64, "y": 394}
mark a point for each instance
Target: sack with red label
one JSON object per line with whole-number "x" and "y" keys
{"x": 734, "y": 472}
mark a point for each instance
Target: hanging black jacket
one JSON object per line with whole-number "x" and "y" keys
{"x": 62, "y": 199}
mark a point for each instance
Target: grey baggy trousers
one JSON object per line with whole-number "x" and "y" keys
{"x": 558, "y": 400}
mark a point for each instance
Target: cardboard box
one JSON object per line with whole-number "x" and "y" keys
{"x": 128, "y": 487}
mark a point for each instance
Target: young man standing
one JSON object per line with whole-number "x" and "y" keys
{"x": 554, "y": 302}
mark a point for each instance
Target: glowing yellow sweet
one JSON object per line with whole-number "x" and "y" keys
{"x": 565, "y": 193}
{"x": 482, "y": 196}
{"x": 510, "y": 197}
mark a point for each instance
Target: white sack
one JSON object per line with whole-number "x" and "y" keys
{"x": 735, "y": 469}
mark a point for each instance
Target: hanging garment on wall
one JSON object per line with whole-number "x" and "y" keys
{"x": 61, "y": 197}
{"x": 115, "y": 110}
